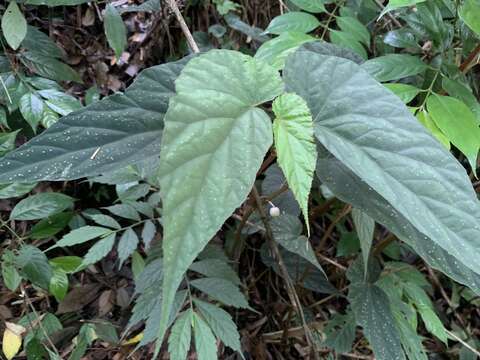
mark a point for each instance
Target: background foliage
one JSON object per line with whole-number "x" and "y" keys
{"x": 304, "y": 188}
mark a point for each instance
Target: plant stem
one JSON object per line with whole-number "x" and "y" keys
{"x": 292, "y": 294}
{"x": 183, "y": 25}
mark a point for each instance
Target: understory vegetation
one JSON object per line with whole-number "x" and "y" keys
{"x": 252, "y": 179}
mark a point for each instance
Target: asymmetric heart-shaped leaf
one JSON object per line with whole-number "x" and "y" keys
{"x": 118, "y": 130}
{"x": 214, "y": 143}
{"x": 374, "y": 135}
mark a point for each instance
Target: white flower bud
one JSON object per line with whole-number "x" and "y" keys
{"x": 274, "y": 211}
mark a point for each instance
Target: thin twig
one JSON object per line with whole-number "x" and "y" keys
{"x": 183, "y": 25}
{"x": 292, "y": 294}
{"x": 466, "y": 65}
{"x": 49, "y": 340}
{"x": 468, "y": 346}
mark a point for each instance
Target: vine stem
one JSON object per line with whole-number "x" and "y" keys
{"x": 183, "y": 25}
{"x": 292, "y": 294}
{"x": 465, "y": 66}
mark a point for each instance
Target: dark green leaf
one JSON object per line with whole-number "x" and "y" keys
{"x": 221, "y": 324}
{"x": 292, "y": 21}
{"x": 38, "y": 42}
{"x": 81, "y": 235}
{"x": 313, "y": 6}
{"x": 180, "y": 336}
{"x": 127, "y": 245}
{"x": 34, "y": 266}
{"x": 115, "y": 30}
{"x": 394, "y": 66}
{"x": 50, "y": 68}
{"x": 372, "y": 312}
{"x": 99, "y": 250}
{"x": 120, "y": 129}
{"x": 205, "y": 343}
{"x": 10, "y": 275}
{"x": 221, "y": 290}
{"x": 50, "y": 226}
{"x": 40, "y": 206}
{"x": 375, "y": 146}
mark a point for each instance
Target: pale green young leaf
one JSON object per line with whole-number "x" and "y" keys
{"x": 31, "y": 107}
{"x": 205, "y": 342}
{"x": 221, "y": 324}
{"x": 66, "y": 263}
{"x": 460, "y": 91}
{"x": 49, "y": 117}
{"x": 41, "y": 205}
{"x": 384, "y": 141}
{"x": 275, "y": 51}
{"x": 458, "y": 123}
{"x": 222, "y": 290}
{"x": 365, "y": 227}
{"x": 99, "y": 250}
{"x": 404, "y": 91}
{"x": 426, "y": 120}
{"x": 7, "y": 141}
{"x": 296, "y": 151}
{"x": 15, "y": 189}
{"x": 59, "y": 101}
{"x": 394, "y": 66}
{"x": 180, "y": 336}
{"x": 396, "y": 4}
{"x": 81, "y": 235}
{"x": 424, "y": 306}
{"x": 214, "y": 142}
{"x": 58, "y": 284}
{"x": 115, "y": 30}
{"x": 127, "y": 245}
{"x": 313, "y": 6}
{"x": 470, "y": 14}
{"x": 14, "y": 25}
{"x": 292, "y": 21}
